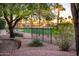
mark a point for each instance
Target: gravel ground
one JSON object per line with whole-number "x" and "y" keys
{"x": 46, "y": 50}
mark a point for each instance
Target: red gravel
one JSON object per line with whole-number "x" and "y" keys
{"x": 46, "y": 50}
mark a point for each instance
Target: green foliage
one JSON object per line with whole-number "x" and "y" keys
{"x": 2, "y": 23}
{"x": 64, "y": 35}
{"x": 36, "y": 43}
{"x": 38, "y": 7}
{"x": 41, "y": 9}
{"x": 13, "y": 13}
{"x": 55, "y": 31}
{"x": 50, "y": 16}
{"x": 58, "y": 6}
{"x": 64, "y": 44}
{"x": 15, "y": 9}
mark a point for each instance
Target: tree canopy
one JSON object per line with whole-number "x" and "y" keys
{"x": 41, "y": 9}
{"x": 13, "y": 13}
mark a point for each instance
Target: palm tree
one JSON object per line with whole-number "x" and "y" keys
{"x": 69, "y": 17}
{"x": 65, "y": 18}
{"x": 61, "y": 19}
{"x": 58, "y": 7}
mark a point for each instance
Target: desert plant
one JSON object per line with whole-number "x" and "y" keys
{"x": 64, "y": 36}
{"x": 64, "y": 45}
{"x": 36, "y": 43}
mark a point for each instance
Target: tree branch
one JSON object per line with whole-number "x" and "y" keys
{"x": 17, "y": 20}
{"x": 11, "y": 17}
{"x": 14, "y": 19}
{"x": 6, "y": 18}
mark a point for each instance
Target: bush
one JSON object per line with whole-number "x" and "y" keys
{"x": 2, "y": 23}
{"x": 18, "y": 35}
{"x": 64, "y": 36}
{"x": 64, "y": 45}
{"x": 36, "y": 43}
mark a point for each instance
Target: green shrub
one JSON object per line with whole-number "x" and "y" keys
{"x": 64, "y": 45}
{"x": 18, "y": 35}
{"x": 36, "y": 43}
{"x": 65, "y": 36}
{"x": 2, "y": 23}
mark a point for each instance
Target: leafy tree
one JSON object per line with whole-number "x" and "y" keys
{"x": 58, "y": 7}
{"x": 75, "y": 14}
{"x": 61, "y": 19}
{"x": 50, "y": 16}
{"x": 13, "y": 13}
{"x": 41, "y": 10}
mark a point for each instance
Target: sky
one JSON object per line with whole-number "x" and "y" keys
{"x": 67, "y": 11}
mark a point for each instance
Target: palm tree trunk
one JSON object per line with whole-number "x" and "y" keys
{"x": 58, "y": 19}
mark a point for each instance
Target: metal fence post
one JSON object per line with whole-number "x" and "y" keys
{"x": 31, "y": 33}
{"x": 50, "y": 35}
{"x": 42, "y": 34}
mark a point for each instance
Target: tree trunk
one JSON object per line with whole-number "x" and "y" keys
{"x": 75, "y": 14}
{"x": 11, "y": 32}
{"x": 12, "y": 26}
{"x": 77, "y": 37}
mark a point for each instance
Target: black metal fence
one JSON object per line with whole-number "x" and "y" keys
{"x": 44, "y": 34}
